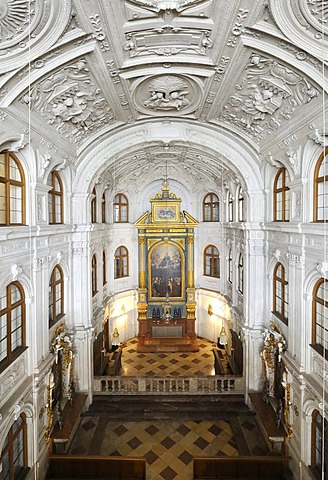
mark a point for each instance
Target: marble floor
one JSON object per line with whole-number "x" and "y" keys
{"x": 168, "y": 363}
{"x": 169, "y": 445}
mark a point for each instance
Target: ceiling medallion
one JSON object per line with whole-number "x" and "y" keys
{"x": 316, "y": 13}
{"x": 14, "y": 18}
{"x": 167, "y": 93}
{"x": 160, "y": 5}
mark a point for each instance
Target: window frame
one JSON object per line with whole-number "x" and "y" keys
{"x": 94, "y": 273}
{"x": 103, "y": 208}
{"x": 241, "y": 205}
{"x": 230, "y": 207}
{"x": 318, "y": 347}
{"x": 120, "y": 202}
{"x": 11, "y": 355}
{"x": 104, "y": 259}
{"x": 283, "y": 282}
{"x": 121, "y": 262}
{"x": 53, "y": 194}
{"x": 241, "y": 274}
{"x": 53, "y": 290}
{"x": 10, "y": 448}
{"x": 230, "y": 266}
{"x": 212, "y": 204}
{"x": 283, "y": 192}
{"x": 93, "y": 206}
{"x": 212, "y": 253}
{"x": 316, "y": 180}
{"x": 8, "y": 182}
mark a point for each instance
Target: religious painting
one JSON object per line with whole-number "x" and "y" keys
{"x": 165, "y": 213}
{"x": 165, "y": 269}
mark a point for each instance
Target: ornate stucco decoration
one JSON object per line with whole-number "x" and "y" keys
{"x": 60, "y": 385}
{"x": 304, "y": 22}
{"x": 168, "y": 40}
{"x": 71, "y": 101}
{"x": 29, "y": 27}
{"x": 167, "y": 94}
{"x": 266, "y": 97}
{"x": 160, "y": 5}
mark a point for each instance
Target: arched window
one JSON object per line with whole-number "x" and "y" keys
{"x": 104, "y": 268}
{"x": 94, "y": 284}
{"x": 12, "y": 323}
{"x": 56, "y": 295}
{"x": 14, "y": 453}
{"x": 121, "y": 209}
{"x": 211, "y": 207}
{"x": 281, "y": 201}
{"x": 319, "y": 445}
{"x": 212, "y": 261}
{"x": 94, "y": 206}
{"x": 121, "y": 262}
{"x": 241, "y": 273}
{"x": 230, "y": 207}
{"x": 320, "y": 189}
{"x": 12, "y": 190}
{"x": 230, "y": 266}
{"x": 55, "y": 198}
{"x": 319, "y": 317}
{"x": 241, "y": 205}
{"x": 280, "y": 293}
{"x": 103, "y": 208}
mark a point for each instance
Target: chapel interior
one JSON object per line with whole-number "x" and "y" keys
{"x": 164, "y": 239}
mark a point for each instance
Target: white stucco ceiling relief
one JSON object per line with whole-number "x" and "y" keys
{"x": 29, "y": 28}
{"x": 202, "y": 88}
{"x": 189, "y": 154}
{"x": 304, "y": 22}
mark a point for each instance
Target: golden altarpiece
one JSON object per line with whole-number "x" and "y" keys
{"x": 166, "y": 292}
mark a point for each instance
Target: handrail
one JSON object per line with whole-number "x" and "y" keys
{"x": 205, "y": 385}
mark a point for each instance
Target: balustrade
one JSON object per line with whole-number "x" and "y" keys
{"x": 119, "y": 385}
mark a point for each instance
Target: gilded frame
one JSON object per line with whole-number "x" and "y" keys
{"x": 166, "y": 247}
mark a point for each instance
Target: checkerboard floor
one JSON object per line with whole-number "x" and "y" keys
{"x": 165, "y": 364}
{"x": 169, "y": 445}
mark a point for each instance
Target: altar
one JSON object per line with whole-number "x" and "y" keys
{"x": 166, "y": 291}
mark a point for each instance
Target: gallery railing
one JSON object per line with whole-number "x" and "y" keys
{"x": 119, "y": 385}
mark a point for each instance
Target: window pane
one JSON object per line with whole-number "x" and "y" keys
{"x": 323, "y": 170}
{"x": 58, "y": 218}
{"x": 15, "y": 294}
{"x": 124, "y": 213}
{"x": 322, "y": 291}
{"x": 51, "y": 218}
{"x": 3, "y": 300}
{"x": 2, "y": 165}
{"x": 57, "y": 184}
{"x": 279, "y": 181}
{"x": 279, "y": 206}
{"x": 4, "y": 474}
{"x": 125, "y": 267}
{"x": 2, "y": 203}
{"x": 287, "y": 204}
{"x": 14, "y": 173}
{"x": 3, "y": 337}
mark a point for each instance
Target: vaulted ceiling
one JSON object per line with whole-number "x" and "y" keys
{"x": 204, "y": 89}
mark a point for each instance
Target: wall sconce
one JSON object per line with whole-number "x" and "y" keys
{"x": 223, "y": 337}
{"x": 210, "y": 310}
{"x": 123, "y": 311}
